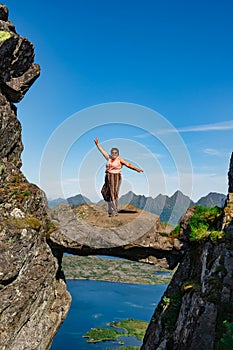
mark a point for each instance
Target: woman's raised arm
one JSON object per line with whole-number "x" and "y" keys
{"x": 101, "y": 149}
{"x": 131, "y": 166}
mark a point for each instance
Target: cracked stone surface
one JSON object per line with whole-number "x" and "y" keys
{"x": 34, "y": 299}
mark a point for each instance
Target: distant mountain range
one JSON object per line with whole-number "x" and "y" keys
{"x": 76, "y": 200}
{"x": 54, "y": 202}
{"x": 170, "y": 209}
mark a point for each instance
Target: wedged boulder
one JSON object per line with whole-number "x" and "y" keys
{"x": 134, "y": 234}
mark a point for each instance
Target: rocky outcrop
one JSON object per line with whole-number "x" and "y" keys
{"x": 230, "y": 176}
{"x": 228, "y": 209}
{"x": 134, "y": 234}
{"x": 34, "y": 300}
{"x": 199, "y": 299}
{"x": 17, "y": 69}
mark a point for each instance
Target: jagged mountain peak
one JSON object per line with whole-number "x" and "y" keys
{"x": 179, "y": 193}
{"x": 212, "y": 199}
{"x": 170, "y": 209}
{"x": 78, "y": 199}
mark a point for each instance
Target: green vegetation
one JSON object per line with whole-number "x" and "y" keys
{"x": 166, "y": 301}
{"x": 203, "y": 224}
{"x": 28, "y": 221}
{"x": 19, "y": 193}
{"x": 175, "y": 232}
{"x": 98, "y": 334}
{"x": 4, "y": 35}
{"x": 14, "y": 192}
{"x": 11, "y": 240}
{"x": 113, "y": 270}
{"x": 26, "y": 193}
{"x": 167, "y": 229}
{"x": 171, "y": 307}
{"x": 224, "y": 329}
{"x": 131, "y": 327}
{"x": 136, "y": 328}
{"x": 226, "y": 342}
{"x": 50, "y": 228}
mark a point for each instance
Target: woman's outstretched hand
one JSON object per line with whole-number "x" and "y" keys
{"x": 139, "y": 170}
{"x": 96, "y": 141}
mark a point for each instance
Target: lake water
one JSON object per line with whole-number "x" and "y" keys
{"x": 95, "y": 303}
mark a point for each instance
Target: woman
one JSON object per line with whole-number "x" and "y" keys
{"x": 112, "y": 183}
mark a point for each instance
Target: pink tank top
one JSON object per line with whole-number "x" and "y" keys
{"x": 113, "y": 166}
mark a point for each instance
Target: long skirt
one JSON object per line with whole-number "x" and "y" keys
{"x": 110, "y": 192}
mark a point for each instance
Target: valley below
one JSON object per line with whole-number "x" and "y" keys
{"x": 114, "y": 270}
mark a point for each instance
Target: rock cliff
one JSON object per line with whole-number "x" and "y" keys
{"x": 198, "y": 302}
{"x": 134, "y": 234}
{"x": 34, "y": 300}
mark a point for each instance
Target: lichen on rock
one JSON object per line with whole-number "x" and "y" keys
{"x": 34, "y": 299}
{"x": 17, "y": 69}
{"x": 4, "y": 35}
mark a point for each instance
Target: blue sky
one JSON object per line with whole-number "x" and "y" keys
{"x": 173, "y": 57}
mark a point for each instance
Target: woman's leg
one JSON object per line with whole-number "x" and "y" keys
{"x": 115, "y": 181}
{"x": 111, "y": 208}
{"x": 117, "y": 189}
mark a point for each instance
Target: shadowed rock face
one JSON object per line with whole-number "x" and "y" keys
{"x": 230, "y": 176}
{"x": 34, "y": 301}
{"x": 17, "y": 70}
{"x": 228, "y": 210}
{"x": 200, "y": 295}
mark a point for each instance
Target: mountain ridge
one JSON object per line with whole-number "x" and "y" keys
{"x": 169, "y": 208}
